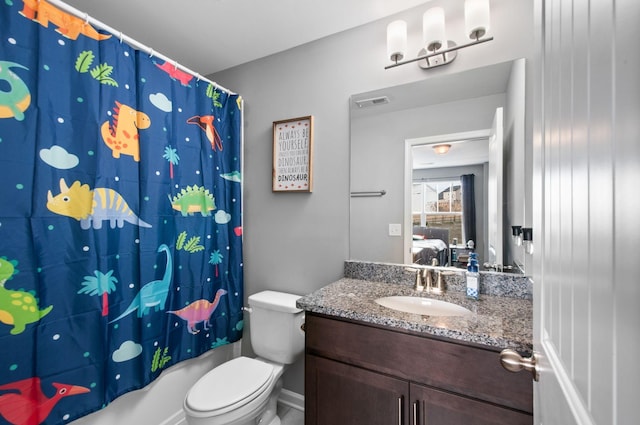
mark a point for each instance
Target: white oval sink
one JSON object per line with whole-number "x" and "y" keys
{"x": 425, "y": 306}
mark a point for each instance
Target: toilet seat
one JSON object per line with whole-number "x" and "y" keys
{"x": 230, "y": 385}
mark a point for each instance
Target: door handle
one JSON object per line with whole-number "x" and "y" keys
{"x": 514, "y": 362}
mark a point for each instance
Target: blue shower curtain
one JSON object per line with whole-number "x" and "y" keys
{"x": 120, "y": 216}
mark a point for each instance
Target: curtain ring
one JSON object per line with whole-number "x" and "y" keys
{"x": 86, "y": 19}
{"x": 175, "y": 65}
{"x": 150, "y": 53}
{"x": 121, "y": 37}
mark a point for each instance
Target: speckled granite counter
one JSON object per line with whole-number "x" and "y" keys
{"x": 496, "y": 321}
{"x": 491, "y": 283}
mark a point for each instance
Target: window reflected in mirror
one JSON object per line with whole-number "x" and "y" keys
{"x": 438, "y": 204}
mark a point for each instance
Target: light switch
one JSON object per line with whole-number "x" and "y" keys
{"x": 395, "y": 229}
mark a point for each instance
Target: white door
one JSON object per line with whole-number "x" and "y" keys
{"x": 495, "y": 190}
{"x": 586, "y": 212}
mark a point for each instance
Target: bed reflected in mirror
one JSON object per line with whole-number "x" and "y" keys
{"x": 429, "y": 246}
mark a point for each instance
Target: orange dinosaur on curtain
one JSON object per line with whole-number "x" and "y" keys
{"x": 206, "y": 124}
{"x": 68, "y": 25}
{"x": 121, "y": 136}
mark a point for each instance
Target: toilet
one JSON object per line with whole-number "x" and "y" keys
{"x": 245, "y": 390}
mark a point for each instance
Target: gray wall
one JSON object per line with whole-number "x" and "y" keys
{"x": 515, "y": 180}
{"x": 298, "y": 242}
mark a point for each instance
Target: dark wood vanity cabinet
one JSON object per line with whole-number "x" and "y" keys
{"x": 359, "y": 374}
{"x": 345, "y": 394}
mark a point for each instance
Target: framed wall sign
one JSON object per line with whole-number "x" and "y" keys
{"x": 292, "y": 155}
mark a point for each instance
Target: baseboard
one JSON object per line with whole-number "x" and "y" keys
{"x": 175, "y": 419}
{"x": 291, "y": 399}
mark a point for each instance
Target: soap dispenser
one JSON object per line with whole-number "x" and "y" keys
{"x": 473, "y": 277}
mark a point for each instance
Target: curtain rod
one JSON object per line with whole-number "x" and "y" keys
{"x": 133, "y": 43}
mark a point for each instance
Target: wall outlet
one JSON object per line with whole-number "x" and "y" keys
{"x": 395, "y": 229}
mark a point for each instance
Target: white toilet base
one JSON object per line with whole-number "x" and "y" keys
{"x": 269, "y": 416}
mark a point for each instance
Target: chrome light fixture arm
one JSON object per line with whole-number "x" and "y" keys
{"x": 441, "y": 53}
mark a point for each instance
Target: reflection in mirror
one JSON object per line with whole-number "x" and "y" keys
{"x": 461, "y": 103}
{"x": 447, "y": 201}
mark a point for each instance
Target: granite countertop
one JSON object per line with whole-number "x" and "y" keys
{"x": 496, "y": 321}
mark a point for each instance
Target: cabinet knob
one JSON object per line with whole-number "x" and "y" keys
{"x": 514, "y": 362}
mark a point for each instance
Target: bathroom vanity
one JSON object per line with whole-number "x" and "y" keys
{"x": 368, "y": 364}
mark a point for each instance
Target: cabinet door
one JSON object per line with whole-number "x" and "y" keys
{"x": 432, "y": 407}
{"x": 336, "y": 393}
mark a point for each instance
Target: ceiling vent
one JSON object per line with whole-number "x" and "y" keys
{"x": 365, "y": 103}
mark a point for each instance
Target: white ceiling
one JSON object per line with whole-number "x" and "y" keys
{"x": 208, "y": 36}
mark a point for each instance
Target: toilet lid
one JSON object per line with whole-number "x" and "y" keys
{"x": 229, "y": 384}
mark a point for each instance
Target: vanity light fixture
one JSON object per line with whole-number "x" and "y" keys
{"x": 527, "y": 238}
{"x": 516, "y": 235}
{"x": 441, "y": 149}
{"x": 437, "y": 49}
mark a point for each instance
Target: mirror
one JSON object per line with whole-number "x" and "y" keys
{"x": 386, "y": 124}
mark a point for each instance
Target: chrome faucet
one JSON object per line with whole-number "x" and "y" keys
{"x": 438, "y": 288}
{"x": 495, "y": 266}
{"x": 427, "y": 278}
{"x": 419, "y": 283}
{"x": 425, "y": 281}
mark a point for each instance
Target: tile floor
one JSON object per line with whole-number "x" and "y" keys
{"x": 290, "y": 416}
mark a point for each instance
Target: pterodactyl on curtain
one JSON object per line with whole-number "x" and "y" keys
{"x": 120, "y": 216}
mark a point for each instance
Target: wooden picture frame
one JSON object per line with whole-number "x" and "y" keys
{"x": 293, "y": 155}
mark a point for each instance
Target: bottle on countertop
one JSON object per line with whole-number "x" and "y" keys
{"x": 473, "y": 276}
{"x": 454, "y": 251}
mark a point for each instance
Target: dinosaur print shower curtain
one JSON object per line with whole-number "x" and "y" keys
{"x": 120, "y": 216}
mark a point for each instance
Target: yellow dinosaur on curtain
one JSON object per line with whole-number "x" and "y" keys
{"x": 122, "y": 136}
{"x": 68, "y": 25}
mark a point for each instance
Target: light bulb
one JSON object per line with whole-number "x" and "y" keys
{"x": 396, "y": 40}
{"x": 477, "y": 18}
{"x": 433, "y": 29}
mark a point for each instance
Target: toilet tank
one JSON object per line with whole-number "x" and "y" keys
{"x": 275, "y": 327}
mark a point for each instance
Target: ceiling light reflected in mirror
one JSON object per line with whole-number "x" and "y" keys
{"x": 451, "y": 153}
{"x": 441, "y": 149}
